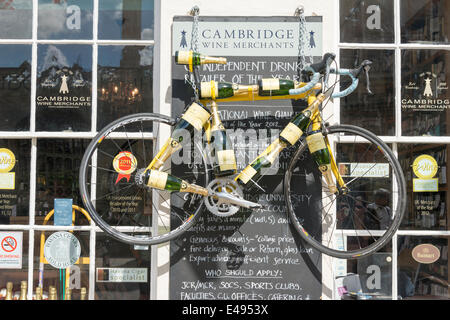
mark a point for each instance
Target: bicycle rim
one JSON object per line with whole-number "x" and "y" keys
{"x": 125, "y": 209}
{"x": 363, "y": 220}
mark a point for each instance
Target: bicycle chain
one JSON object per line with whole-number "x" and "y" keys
{"x": 194, "y": 47}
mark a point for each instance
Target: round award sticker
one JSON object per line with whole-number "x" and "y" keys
{"x": 7, "y": 160}
{"x": 62, "y": 249}
{"x": 425, "y": 167}
{"x": 124, "y": 164}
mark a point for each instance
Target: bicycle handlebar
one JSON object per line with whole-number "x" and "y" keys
{"x": 354, "y": 75}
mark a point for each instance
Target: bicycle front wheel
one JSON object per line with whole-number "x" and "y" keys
{"x": 112, "y": 188}
{"x": 359, "y": 220}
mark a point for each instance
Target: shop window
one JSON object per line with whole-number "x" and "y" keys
{"x": 425, "y": 94}
{"x": 14, "y": 269}
{"x": 63, "y": 93}
{"x": 427, "y": 183}
{"x": 125, "y": 77}
{"x": 16, "y": 18}
{"x": 375, "y": 112}
{"x": 425, "y": 21}
{"x": 126, "y": 20}
{"x": 14, "y": 180}
{"x": 68, "y": 19}
{"x": 15, "y": 79}
{"x": 58, "y": 161}
{"x": 122, "y": 270}
{"x": 423, "y": 267}
{"x": 75, "y": 277}
{"x": 371, "y": 21}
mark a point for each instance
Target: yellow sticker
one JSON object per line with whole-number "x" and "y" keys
{"x": 270, "y": 84}
{"x": 425, "y": 166}
{"x": 247, "y": 174}
{"x": 209, "y": 89}
{"x": 316, "y": 142}
{"x": 157, "y": 179}
{"x": 7, "y": 160}
{"x": 196, "y": 115}
{"x": 291, "y": 133}
{"x": 226, "y": 159}
{"x": 183, "y": 57}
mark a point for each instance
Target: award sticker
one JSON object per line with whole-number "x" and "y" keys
{"x": 124, "y": 164}
{"x": 7, "y": 163}
{"x": 425, "y": 168}
{"x": 62, "y": 249}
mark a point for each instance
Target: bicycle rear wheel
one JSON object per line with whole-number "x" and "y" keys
{"x": 361, "y": 220}
{"x": 111, "y": 183}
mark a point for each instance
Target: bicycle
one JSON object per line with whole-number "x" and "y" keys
{"x": 128, "y": 161}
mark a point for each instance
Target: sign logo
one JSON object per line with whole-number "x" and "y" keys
{"x": 425, "y": 166}
{"x": 11, "y": 250}
{"x": 426, "y": 253}
{"x": 9, "y": 244}
{"x": 62, "y": 249}
{"x": 124, "y": 164}
{"x": 7, "y": 160}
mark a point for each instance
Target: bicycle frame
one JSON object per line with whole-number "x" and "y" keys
{"x": 314, "y": 102}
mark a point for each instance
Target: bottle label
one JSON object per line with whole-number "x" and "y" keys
{"x": 270, "y": 84}
{"x": 196, "y": 115}
{"x": 316, "y": 142}
{"x": 184, "y": 57}
{"x": 247, "y": 174}
{"x": 291, "y": 133}
{"x": 209, "y": 90}
{"x": 157, "y": 179}
{"x": 226, "y": 160}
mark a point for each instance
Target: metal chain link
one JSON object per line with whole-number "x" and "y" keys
{"x": 302, "y": 41}
{"x": 194, "y": 47}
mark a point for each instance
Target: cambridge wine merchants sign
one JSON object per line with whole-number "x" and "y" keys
{"x": 251, "y": 254}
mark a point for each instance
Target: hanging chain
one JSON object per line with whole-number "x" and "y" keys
{"x": 194, "y": 47}
{"x": 302, "y": 41}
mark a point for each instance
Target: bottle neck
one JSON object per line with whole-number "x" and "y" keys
{"x": 216, "y": 122}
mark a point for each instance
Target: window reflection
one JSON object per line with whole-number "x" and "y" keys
{"x": 420, "y": 279}
{"x": 58, "y": 161}
{"x": 14, "y": 181}
{"x": 125, "y": 77}
{"x": 425, "y": 94}
{"x": 16, "y": 17}
{"x": 363, "y": 21}
{"x": 15, "y": 80}
{"x": 375, "y": 112}
{"x": 68, "y": 19}
{"x": 63, "y": 97}
{"x": 425, "y": 210}
{"x": 425, "y": 21}
{"x": 126, "y": 19}
{"x": 114, "y": 254}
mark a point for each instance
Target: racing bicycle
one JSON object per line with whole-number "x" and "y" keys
{"x": 146, "y": 178}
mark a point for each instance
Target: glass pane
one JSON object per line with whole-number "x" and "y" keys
{"x": 113, "y": 260}
{"x": 425, "y": 209}
{"x": 15, "y": 156}
{"x": 367, "y": 22}
{"x": 15, "y": 72}
{"x": 125, "y": 81}
{"x": 375, "y": 112}
{"x": 425, "y": 21}
{"x": 423, "y": 267}
{"x": 58, "y": 161}
{"x": 63, "y": 97}
{"x": 68, "y": 19}
{"x": 425, "y": 94}
{"x": 126, "y": 19}
{"x": 18, "y": 270}
{"x": 16, "y": 17}
{"x": 75, "y": 277}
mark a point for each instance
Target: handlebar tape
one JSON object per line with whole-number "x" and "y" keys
{"x": 315, "y": 79}
{"x": 351, "y": 88}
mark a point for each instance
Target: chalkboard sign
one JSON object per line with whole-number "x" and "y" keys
{"x": 252, "y": 254}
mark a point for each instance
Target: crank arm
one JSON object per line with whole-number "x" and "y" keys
{"x": 225, "y": 197}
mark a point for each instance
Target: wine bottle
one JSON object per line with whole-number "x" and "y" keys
{"x": 276, "y": 87}
{"x": 253, "y": 172}
{"x": 83, "y": 294}
{"x": 222, "y": 148}
{"x": 221, "y": 90}
{"x": 194, "y": 118}
{"x": 68, "y": 295}
{"x": 23, "y": 290}
{"x": 320, "y": 153}
{"x": 9, "y": 291}
{"x": 194, "y": 58}
{"x": 163, "y": 181}
{"x": 38, "y": 294}
{"x": 52, "y": 293}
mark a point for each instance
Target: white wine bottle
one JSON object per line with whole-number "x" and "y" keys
{"x": 23, "y": 290}
{"x": 194, "y": 58}
{"x": 163, "y": 181}
{"x": 276, "y": 87}
{"x": 222, "y": 90}
{"x": 9, "y": 291}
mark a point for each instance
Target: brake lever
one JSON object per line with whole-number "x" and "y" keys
{"x": 366, "y": 70}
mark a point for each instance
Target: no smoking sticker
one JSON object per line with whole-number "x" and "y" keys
{"x": 11, "y": 250}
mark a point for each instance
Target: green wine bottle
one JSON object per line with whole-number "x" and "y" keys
{"x": 195, "y": 58}
{"x": 194, "y": 118}
{"x": 276, "y": 87}
{"x": 222, "y": 148}
{"x": 163, "y": 181}
{"x": 253, "y": 172}
{"x": 321, "y": 154}
{"x": 222, "y": 90}
{"x": 294, "y": 130}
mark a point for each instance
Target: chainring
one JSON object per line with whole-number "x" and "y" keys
{"x": 218, "y": 207}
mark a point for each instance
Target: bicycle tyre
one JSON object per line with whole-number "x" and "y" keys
{"x": 141, "y": 232}
{"x": 375, "y": 232}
